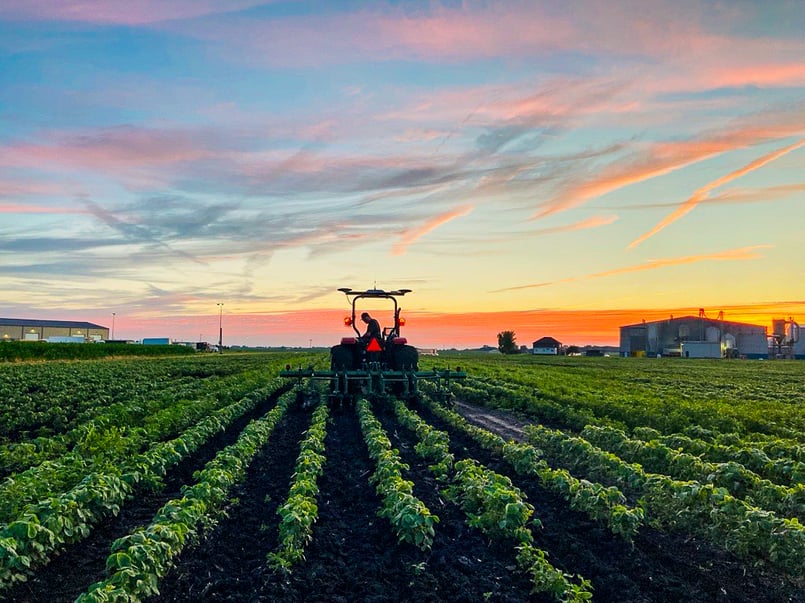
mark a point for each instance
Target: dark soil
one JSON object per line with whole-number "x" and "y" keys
{"x": 354, "y": 555}
{"x": 82, "y": 564}
{"x": 658, "y": 567}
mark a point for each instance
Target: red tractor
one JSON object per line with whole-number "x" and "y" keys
{"x": 388, "y": 351}
{"x": 376, "y": 364}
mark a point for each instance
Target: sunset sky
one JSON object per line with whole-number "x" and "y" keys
{"x": 552, "y": 168}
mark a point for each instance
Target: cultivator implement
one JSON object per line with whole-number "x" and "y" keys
{"x": 374, "y": 380}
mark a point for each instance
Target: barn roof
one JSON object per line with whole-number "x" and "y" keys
{"x": 547, "y": 342}
{"x": 690, "y": 317}
{"x": 64, "y": 324}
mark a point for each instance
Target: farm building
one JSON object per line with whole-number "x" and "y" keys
{"x": 694, "y": 337}
{"x": 21, "y": 329}
{"x": 546, "y": 345}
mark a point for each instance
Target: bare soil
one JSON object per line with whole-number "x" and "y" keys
{"x": 355, "y": 556}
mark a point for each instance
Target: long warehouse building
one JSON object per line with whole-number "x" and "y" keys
{"x": 694, "y": 337}
{"x": 23, "y": 329}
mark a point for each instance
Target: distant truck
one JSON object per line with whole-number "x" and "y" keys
{"x": 701, "y": 349}
{"x": 157, "y": 341}
{"x": 66, "y": 339}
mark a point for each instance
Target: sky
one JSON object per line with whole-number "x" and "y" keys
{"x": 552, "y": 168}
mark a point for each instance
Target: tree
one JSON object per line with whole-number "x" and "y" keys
{"x": 507, "y": 342}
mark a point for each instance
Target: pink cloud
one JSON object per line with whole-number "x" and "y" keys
{"x": 134, "y": 154}
{"x": 121, "y": 12}
{"x": 19, "y": 208}
{"x": 9, "y": 188}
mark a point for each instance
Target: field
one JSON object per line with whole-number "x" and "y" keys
{"x": 200, "y": 478}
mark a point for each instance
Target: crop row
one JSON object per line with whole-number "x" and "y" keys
{"x": 493, "y": 505}
{"x": 601, "y": 503}
{"x": 775, "y": 459}
{"x": 734, "y": 477}
{"x": 139, "y": 560}
{"x": 783, "y": 467}
{"x": 411, "y": 519}
{"x": 667, "y": 395}
{"x": 689, "y": 506}
{"x": 45, "y": 527}
{"x": 103, "y": 449}
{"x": 43, "y": 400}
{"x": 299, "y": 512}
{"x": 50, "y": 410}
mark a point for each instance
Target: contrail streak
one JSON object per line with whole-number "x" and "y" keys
{"x": 702, "y": 193}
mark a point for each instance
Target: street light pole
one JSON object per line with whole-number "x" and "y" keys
{"x": 113, "y": 325}
{"x": 220, "y": 328}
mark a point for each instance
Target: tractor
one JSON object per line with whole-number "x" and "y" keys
{"x": 380, "y": 364}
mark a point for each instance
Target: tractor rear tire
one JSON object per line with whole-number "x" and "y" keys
{"x": 342, "y": 358}
{"x": 406, "y": 358}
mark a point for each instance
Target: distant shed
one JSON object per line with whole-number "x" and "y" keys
{"x": 546, "y": 346}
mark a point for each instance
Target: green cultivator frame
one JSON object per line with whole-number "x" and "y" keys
{"x": 374, "y": 380}
{"x": 375, "y": 363}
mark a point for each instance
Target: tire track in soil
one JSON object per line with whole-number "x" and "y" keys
{"x": 229, "y": 564}
{"x": 82, "y": 564}
{"x": 463, "y": 566}
{"x": 659, "y": 567}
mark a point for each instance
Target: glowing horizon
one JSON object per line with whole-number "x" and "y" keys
{"x": 519, "y": 165}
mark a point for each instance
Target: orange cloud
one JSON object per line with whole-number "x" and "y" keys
{"x": 412, "y": 235}
{"x": 742, "y": 253}
{"x": 704, "y": 191}
{"x": 593, "y": 222}
{"x": 662, "y": 158}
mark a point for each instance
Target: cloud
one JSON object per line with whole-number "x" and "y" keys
{"x": 593, "y": 222}
{"x": 120, "y": 12}
{"x": 412, "y": 235}
{"x": 702, "y": 193}
{"x": 19, "y": 208}
{"x": 53, "y": 245}
{"x": 739, "y": 254}
{"x": 642, "y": 161}
{"x": 761, "y": 194}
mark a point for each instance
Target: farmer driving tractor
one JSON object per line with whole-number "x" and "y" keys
{"x": 372, "y": 327}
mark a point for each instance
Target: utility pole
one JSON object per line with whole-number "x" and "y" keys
{"x": 113, "y": 325}
{"x": 220, "y": 328}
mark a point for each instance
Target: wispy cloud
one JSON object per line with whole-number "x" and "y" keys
{"x": 409, "y": 237}
{"x": 20, "y": 208}
{"x": 703, "y": 192}
{"x": 642, "y": 161}
{"x": 761, "y": 194}
{"x": 593, "y": 222}
{"x": 120, "y": 12}
{"x": 739, "y": 254}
